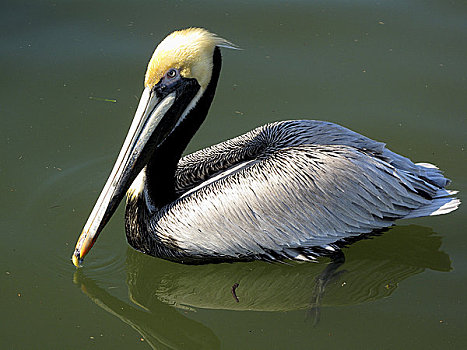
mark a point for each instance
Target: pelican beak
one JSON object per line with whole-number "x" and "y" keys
{"x": 155, "y": 119}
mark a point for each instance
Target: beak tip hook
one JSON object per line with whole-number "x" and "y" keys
{"x": 78, "y": 262}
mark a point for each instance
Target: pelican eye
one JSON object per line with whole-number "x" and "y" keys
{"x": 169, "y": 81}
{"x": 172, "y": 73}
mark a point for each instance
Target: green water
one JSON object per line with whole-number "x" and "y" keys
{"x": 395, "y": 71}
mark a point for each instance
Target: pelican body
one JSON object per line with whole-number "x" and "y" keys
{"x": 287, "y": 190}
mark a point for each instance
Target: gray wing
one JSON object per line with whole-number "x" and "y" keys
{"x": 199, "y": 166}
{"x": 306, "y": 187}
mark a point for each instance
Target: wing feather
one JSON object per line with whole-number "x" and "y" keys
{"x": 303, "y": 196}
{"x": 289, "y": 188}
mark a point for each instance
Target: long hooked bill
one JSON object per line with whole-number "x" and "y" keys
{"x": 131, "y": 160}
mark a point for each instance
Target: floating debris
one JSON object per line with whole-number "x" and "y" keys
{"x": 103, "y": 99}
{"x": 234, "y": 287}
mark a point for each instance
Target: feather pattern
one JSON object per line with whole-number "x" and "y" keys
{"x": 285, "y": 190}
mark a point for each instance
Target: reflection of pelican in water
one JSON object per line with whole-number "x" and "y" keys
{"x": 160, "y": 325}
{"x": 404, "y": 251}
{"x": 290, "y": 189}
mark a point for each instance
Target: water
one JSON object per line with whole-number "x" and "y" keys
{"x": 394, "y": 71}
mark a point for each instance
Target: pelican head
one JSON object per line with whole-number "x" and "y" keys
{"x": 181, "y": 75}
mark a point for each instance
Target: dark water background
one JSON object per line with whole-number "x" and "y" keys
{"x": 71, "y": 76}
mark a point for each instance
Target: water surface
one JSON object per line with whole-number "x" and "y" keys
{"x": 72, "y": 73}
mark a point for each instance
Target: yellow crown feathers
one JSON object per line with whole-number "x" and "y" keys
{"x": 190, "y": 51}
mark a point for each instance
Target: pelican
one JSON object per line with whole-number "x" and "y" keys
{"x": 294, "y": 189}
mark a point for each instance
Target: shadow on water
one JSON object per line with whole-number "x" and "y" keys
{"x": 372, "y": 270}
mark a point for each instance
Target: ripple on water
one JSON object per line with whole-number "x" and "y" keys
{"x": 71, "y": 189}
{"x": 105, "y": 263}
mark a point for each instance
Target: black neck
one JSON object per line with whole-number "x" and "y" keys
{"x": 160, "y": 171}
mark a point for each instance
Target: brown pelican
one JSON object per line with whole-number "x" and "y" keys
{"x": 286, "y": 190}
